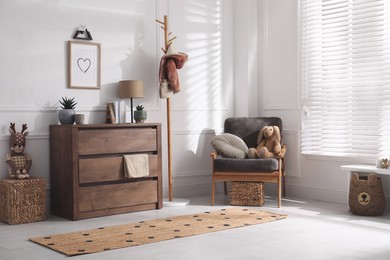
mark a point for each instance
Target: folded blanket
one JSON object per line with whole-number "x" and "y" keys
{"x": 136, "y": 165}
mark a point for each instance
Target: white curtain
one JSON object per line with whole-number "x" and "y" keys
{"x": 345, "y": 77}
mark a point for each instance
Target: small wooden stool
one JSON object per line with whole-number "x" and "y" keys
{"x": 22, "y": 201}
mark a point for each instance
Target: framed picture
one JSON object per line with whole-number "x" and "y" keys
{"x": 83, "y": 65}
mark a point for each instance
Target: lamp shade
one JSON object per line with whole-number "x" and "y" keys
{"x": 131, "y": 89}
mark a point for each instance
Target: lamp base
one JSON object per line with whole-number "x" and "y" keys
{"x": 131, "y": 109}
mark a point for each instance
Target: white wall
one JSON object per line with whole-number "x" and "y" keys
{"x": 33, "y": 64}
{"x": 245, "y": 58}
{"x": 251, "y": 45}
{"x": 315, "y": 177}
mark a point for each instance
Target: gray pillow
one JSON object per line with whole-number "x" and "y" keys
{"x": 229, "y": 146}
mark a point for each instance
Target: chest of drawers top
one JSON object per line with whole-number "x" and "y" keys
{"x": 109, "y": 138}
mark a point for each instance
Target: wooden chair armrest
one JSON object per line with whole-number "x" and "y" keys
{"x": 213, "y": 155}
{"x": 282, "y": 152}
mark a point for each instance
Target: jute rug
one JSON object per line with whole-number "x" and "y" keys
{"x": 144, "y": 232}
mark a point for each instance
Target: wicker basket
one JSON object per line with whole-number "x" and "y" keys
{"x": 366, "y": 196}
{"x": 247, "y": 193}
{"x": 22, "y": 201}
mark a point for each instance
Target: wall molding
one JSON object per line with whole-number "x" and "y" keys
{"x": 39, "y": 136}
{"x": 207, "y": 131}
{"x": 191, "y": 174}
{"x": 191, "y": 183}
{"x": 224, "y": 84}
{"x": 44, "y": 136}
{"x": 268, "y": 107}
{"x": 293, "y": 136}
{"x": 206, "y": 109}
{"x": 33, "y": 109}
{"x": 37, "y": 109}
{"x": 267, "y": 104}
{"x": 317, "y": 194}
{"x": 189, "y": 191}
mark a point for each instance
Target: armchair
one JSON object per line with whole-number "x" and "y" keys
{"x": 262, "y": 170}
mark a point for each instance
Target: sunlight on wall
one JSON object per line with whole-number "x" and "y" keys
{"x": 201, "y": 105}
{"x": 202, "y": 76}
{"x": 119, "y": 7}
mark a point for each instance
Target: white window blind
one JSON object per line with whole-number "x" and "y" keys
{"x": 345, "y": 77}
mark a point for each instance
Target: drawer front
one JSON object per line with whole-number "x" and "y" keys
{"x": 108, "y": 168}
{"x": 117, "y": 195}
{"x": 121, "y": 140}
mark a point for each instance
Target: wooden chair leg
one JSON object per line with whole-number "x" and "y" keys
{"x": 284, "y": 185}
{"x": 279, "y": 194}
{"x": 280, "y": 177}
{"x": 212, "y": 191}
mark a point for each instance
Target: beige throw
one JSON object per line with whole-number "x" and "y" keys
{"x": 136, "y": 165}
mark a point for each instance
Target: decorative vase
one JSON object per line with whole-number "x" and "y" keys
{"x": 140, "y": 116}
{"x": 66, "y": 116}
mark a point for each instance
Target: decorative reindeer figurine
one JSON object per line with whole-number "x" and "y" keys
{"x": 18, "y": 161}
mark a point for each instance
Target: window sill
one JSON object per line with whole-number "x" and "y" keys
{"x": 364, "y": 168}
{"x": 338, "y": 158}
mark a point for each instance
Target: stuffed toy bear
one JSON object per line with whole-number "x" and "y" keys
{"x": 269, "y": 145}
{"x": 18, "y": 161}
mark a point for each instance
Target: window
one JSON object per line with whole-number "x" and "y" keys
{"x": 345, "y": 77}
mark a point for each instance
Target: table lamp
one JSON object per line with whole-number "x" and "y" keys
{"x": 131, "y": 89}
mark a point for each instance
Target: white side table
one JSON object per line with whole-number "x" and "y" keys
{"x": 365, "y": 168}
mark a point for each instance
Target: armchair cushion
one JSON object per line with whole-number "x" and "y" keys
{"x": 229, "y": 146}
{"x": 245, "y": 165}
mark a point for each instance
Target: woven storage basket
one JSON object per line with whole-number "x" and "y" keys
{"x": 22, "y": 201}
{"x": 247, "y": 193}
{"x": 366, "y": 196}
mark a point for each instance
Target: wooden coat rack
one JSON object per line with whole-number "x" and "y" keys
{"x": 168, "y": 42}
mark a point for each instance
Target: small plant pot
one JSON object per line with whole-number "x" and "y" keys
{"x": 66, "y": 116}
{"x": 140, "y": 116}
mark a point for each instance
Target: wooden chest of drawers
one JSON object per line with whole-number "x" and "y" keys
{"x": 87, "y": 169}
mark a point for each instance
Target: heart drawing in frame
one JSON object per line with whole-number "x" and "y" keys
{"x": 83, "y": 64}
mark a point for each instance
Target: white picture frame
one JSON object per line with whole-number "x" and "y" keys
{"x": 84, "y": 65}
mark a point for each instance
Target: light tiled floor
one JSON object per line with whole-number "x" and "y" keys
{"x": 313, "y": 230}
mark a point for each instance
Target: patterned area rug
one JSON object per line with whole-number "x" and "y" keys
{"x": 144, "y": 232}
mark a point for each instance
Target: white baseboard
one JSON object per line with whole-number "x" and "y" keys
{"x": 295, "y": 191}
{"x": 317, "y": 194}
{"x": 188, "y": 191}
{"x": 322, "y": 195}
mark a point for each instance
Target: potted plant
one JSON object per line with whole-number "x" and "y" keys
{"x": 67, "y": 114}
{"x": 140, "y": 115}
